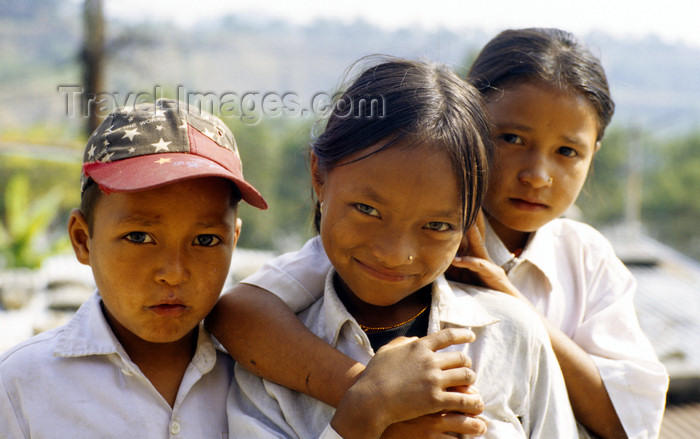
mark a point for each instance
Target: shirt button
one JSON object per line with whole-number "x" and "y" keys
{"x": 174, "y": 427}
{"x": 359, "y": 339}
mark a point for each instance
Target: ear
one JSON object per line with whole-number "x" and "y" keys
{"x": 237, "y": 231}
{"x": 79, "y": 234}
{"x": 317, "y": 179}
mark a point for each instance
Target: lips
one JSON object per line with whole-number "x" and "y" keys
{"x": 168, "y": 309}
{"x": 382, "y": 273}
{"x": 528, "y": 205}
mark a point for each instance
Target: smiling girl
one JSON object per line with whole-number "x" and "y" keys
{"x": 549, "y": 102}
{"x": 390, "y": 229}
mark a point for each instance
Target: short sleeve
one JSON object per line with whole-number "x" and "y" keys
{"x": 634, "y": 378}
{"x": 297, "y": 278}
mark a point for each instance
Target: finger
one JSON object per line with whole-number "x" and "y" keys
{"x": 453, "y": 359}
{"x": 448, "y": 337}
{"x": 481, "y": 224}
{"x": 463, "y": 424}
{"x": 465, "y": 403}
{"x": 398, "y": 341}
{"x": 460, "y": 376}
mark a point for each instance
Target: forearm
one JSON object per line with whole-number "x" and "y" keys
{"x": 265, "y": 336}
{"x": 589, "y": 399}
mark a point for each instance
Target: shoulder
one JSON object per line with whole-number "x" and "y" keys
{"x": 575, "y": 234}
{"x": 513, "y": 318}
{"x": 32, "y": 353}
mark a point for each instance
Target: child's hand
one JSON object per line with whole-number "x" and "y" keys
{"x": 473, "y": 265}
{"x": 439, "y": 425}
{"x": 486, "y": 273}
{"x": 407, "y": 379}
{"x": 473, "y": 245}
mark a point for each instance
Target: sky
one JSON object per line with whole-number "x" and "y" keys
{"x": 674, "y": 21}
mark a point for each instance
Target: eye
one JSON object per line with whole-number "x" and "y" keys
{"x": 438, "y": 226}
{"x": 206, "y": 240}
{"x": 138, "y": 237}
{"x": 366, "y": 209}
{"x": 567, "y": 151}
{"x": 512, "y": 138}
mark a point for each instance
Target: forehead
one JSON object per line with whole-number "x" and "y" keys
{"x": 195, "y": 198}
{"x": 540, "y": 106}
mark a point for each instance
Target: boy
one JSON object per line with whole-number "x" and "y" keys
{"x": 157, "y": 225}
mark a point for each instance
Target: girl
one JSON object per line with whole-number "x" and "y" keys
{"x": 390, "y": 229}
{"x": 550, "y": 102}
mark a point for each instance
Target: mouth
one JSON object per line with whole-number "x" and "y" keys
{"x": 528, "y": 205}
{"x": 382, "y": 273}
{"x": 168, "y": 309}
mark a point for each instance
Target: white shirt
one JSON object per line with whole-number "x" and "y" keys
{"x": 76, "y": 381}
{"x": 571, "y": 274}
{"x": 517, "y": 373}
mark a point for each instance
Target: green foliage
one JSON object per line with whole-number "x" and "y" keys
{"x": 671, "y": 203}
{"x": 26, "y": 224}
{"x": 603, "y": 198}
{"x": 274, "y": 155}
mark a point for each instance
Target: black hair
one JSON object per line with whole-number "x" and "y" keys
{"x": 397, "y": 101}
{"x": 92, "y": 194}
{"x": 546, "y": 54}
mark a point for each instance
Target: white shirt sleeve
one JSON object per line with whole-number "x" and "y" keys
{"x": 9, "y": 420}
{"x": 297, "y": 278}
{"x": 259, "y": 409}
{"x": 634, "y": 378}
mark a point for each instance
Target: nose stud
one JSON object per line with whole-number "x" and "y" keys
{"x": 550, "y": 180}
{"x": 410, "y": 258}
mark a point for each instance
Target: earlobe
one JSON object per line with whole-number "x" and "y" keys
{"x": 79, "y": 234}
{"x": 597, "y": 147}
{"x": 316, "y": 178}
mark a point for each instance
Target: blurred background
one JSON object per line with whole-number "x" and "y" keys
{"x": 241, "y": 58}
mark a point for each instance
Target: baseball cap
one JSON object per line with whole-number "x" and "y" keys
{"x": 153, "y": 144}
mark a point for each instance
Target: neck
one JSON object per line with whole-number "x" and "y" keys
{"x": 512, "y": 239}
{"x": 164, "y": 364}
{"x": 382, "y": 316}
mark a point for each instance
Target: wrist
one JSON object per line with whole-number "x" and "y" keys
{"x": 359, "y": 416}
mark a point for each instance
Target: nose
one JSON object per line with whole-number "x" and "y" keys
{"x": 394, "y": 249}
{"x": 173, "y": 268}
{"x": 535, "y": 173}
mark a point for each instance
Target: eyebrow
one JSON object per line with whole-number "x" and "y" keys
{"x": 140, "y": 220}
{"x": 516, "y": 126}
{"x": 374, "y": 196}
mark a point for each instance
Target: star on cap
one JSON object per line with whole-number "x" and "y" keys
{"x": 91, "y": 152}
{"x": 184, "y": 124}
{"x": 131, "y": 133}
{"x": 162, "y": 160}
{"x": 161, "y": 145}
{"x": 208, "y": 133}
{"x": 159, "y": 127}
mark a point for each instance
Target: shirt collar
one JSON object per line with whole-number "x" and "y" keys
{"x": 461, "y": 310}
{"x": 538, "y": 251}
{"x": 88, "y": 333}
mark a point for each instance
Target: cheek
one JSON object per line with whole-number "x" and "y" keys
{"x": 439, "y": 257}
